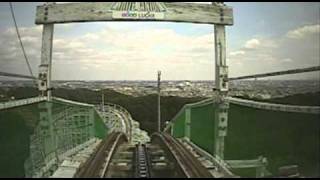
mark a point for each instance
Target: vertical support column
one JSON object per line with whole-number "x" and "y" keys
{"x": 50, "y": 142}
{"x": 131, "y": 126}
{"x": 91, "y": 122}
{"x": 45, "y": 141}
{"x": 171, "y": 128}
{"x": 67, "y": 126}
{"x": 46, "y": 61}
{"x": 102, "y": 103}
{"x": 73, "y": 129}
{"x": 159, "y": 109}
{"x": 188, "y": 123}
{"x": 221, "y": 81}
{"x": 261, "y": 170}
{"x": 53, "y": 131}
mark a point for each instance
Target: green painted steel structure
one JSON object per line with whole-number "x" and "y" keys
{"x": 30, "y": 140}
{"x": 202, "y": 121}
{"x": 281, "y": 137}
{"x": 202, "y": 127}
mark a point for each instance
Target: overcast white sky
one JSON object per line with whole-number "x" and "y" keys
{"x": 265, "y": 37}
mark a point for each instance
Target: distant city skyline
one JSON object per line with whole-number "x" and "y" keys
{"x": 265, "y": 37}
{"x": 254, "y": 89}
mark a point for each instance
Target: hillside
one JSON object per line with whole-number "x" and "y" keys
{"x": 143, "y": 109}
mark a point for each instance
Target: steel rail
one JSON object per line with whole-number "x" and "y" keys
{"x": 189, "y": 164}
{"x": 93, "y": 166}
{"x": 88, "y": 168}
{"x": 222, "y": 166}
{"x": 197, "y": 168}
{"x": 111, "y": 152}
{"x": 173, "y": 153}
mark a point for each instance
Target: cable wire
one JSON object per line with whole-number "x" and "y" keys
{"x": 19, "y": 37}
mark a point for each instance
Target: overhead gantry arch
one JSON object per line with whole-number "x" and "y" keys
{"x": 217, "y": 13}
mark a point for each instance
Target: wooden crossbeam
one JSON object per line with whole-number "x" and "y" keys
{"x": 105, "y": 11}
{"x": 252, "y": 163}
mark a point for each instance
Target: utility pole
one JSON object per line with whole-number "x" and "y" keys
{"x": 159, "y": 111}
{"x": 102, "y": 101}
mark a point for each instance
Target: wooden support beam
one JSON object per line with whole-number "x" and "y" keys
{"x": 221, "y": 78}
{"x": 252, "y": 163}
{"x": 259, "y": 164}
{"x": 221, "y": 84}
{"x": 46, "y": 60}
{"x": 104, "y": 11}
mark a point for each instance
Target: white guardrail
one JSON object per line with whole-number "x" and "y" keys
{"x": 20, "y": 102}
{"x": 275, "y": 107}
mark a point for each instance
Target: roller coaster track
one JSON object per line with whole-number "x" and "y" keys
{"x": 97, "y": 165}
{"x": 122, "y": 113}
{"x": 142, "y": 169}
{"x": 189, "y": 164}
